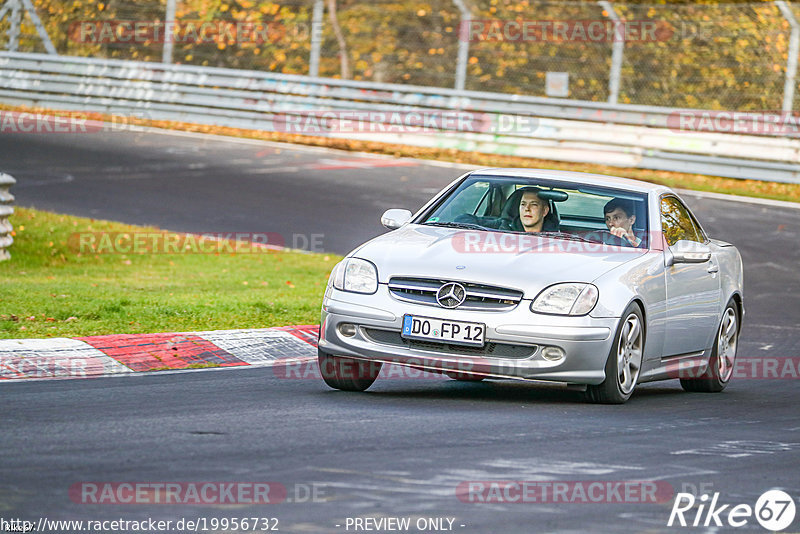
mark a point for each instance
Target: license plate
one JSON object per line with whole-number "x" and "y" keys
{"x": 431, "y": 329}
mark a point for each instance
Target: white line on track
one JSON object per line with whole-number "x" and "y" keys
{"x": 272, "y": 170}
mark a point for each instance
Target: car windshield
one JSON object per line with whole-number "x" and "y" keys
{"x": 526, "y": 205}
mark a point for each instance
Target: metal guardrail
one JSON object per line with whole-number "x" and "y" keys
{"x": 564, "y": 130}
{"x": 6, "y": 210}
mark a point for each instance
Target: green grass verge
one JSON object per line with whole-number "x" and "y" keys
{"x": 51, "y": 288}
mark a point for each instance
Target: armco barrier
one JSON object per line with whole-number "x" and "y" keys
{"x": 6, "y": 210}
{"x": 563, "y": 130}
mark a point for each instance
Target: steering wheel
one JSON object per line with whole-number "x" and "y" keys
{"x": 605, "y": 237}
{"x": 466, "y": 218}
{"x": 610, "y": 239}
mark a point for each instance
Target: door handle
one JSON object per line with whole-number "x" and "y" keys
{"x": 713, "y": 268}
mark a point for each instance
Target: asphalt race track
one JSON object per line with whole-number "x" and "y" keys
{"x": 402, "y": 449}
{"x": 194, "y": 184}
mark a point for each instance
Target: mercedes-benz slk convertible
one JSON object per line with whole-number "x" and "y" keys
{"x": 597, "y": 282}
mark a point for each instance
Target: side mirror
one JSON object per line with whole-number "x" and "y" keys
{"x": 395, "y": 218}
{"x": 689, "y": 252}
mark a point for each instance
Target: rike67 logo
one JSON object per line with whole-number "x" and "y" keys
{"x": 774, "y": 510}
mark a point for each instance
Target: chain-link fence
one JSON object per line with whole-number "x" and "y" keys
{"x": 394, "y": 42}
{"x": 727, "y": 56}
{"x": 733, "y": 56}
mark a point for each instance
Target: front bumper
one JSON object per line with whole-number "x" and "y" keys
{"x": 515, "y": 339}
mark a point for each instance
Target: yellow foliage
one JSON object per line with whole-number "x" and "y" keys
{"x": 730, "y": 55}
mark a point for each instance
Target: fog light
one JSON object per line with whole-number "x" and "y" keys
{"x": 347, "y": 329}
{"x": 553, "y": 354}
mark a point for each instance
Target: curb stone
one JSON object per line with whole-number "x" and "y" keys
{"x": 115, "y": 355}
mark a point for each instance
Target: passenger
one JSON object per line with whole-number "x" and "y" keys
{"x": 620, "y": 217}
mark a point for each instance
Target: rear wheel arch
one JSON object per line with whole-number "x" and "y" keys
{"x": 715, "y": 378}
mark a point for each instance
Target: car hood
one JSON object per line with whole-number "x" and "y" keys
{"x": 516, "y": 261}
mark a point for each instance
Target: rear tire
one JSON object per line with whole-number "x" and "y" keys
{"x": 347, "y": 374}
{"x": 723, "y": 356}
{"x": 624, "y": 361}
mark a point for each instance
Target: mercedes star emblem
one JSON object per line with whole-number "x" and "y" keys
{"x": 451, "y": 295}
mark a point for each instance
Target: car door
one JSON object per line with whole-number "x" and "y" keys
{"x": 693, "y": 289}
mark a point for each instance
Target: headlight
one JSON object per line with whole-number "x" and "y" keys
{"x": 566, "y": 299}
{"x": 356, "y": 275}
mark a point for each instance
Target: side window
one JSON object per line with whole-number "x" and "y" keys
{"x": 465, "y": 201}
{"x": 677, "y": 223}
{"x": 700, "y": 233}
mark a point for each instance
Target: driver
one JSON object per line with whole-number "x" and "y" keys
{"x": 524, "y": 211}
{"x": 532, "y": 211}
{"x": 620, "y": 218}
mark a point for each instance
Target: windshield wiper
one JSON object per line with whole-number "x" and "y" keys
{"x": 463, "y": 226}
{"x": 566, "y": 235}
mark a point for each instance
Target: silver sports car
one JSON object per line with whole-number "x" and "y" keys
{"x": 593, "y": 281}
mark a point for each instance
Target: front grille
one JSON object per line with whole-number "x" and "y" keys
{"x": 489, "y": 350}
{"x": 479, "y": 297}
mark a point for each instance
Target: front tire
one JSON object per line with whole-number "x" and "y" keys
{"x": 347, "y": 374}
{"x": 624, "y": 361}
{"x": 723, "y": 356}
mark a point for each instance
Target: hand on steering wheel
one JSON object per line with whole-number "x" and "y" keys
{"x": 609, "y": 238}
